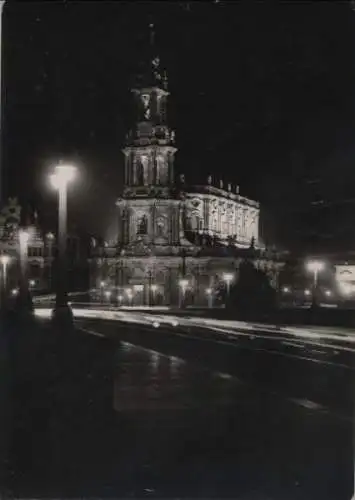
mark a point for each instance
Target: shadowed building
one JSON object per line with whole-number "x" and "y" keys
{"x": 41, "y": 251}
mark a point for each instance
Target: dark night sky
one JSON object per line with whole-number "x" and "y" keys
{"x": 262, "y": 96}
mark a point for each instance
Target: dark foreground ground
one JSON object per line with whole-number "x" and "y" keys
{"x": 144, "y": 414}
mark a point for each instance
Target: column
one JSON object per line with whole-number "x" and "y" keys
{"x": 1, "y": 13}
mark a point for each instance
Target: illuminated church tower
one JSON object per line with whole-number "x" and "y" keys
{"x": 175, "y": 242}
{"x": 148, "y": 210}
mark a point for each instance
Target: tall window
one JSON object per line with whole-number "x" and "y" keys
{"x": 142, "y": 225}
{"x": 140, "y": 173}
{"x": 141, "y": 170}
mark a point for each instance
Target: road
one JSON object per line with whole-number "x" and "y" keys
{"x": 213, "y": 409}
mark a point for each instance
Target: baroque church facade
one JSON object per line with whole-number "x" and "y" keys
{"x": 175, "y": 242}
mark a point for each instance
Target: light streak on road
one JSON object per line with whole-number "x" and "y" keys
{"x": 302, "y": 337}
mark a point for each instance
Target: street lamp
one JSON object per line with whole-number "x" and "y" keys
{"x": 25, "y": 300}
{"x": 228, "y": 278}
{"x": 62, "y": 176}
{"x": 5, "y": 260}
{"x": 102, "y": 286}
{"x": 129, "y": 295}
{"x": 50, "y": 240}
{"x": 209, "y": 293}
{"x": 153, "y": 289}
{"x": 120, "y": 299}
{"x": 183, "y": 284}
{"x": 315, "y": 266}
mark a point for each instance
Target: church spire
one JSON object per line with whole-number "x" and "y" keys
{"x": 151, "y": 74}
{"x": 151, "y": 34}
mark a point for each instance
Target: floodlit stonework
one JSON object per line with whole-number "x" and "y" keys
{"x": 167, "y": 229}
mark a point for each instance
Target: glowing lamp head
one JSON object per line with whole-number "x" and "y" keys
{"x": 107, "y": 294}
{"x": 208, "y": 291}
{"x": 5, "y": 260}
{"x": 183, "y": 284}
{"x": 228, "y": 277}
{"x": 154, "y": 288}
{"x": 120, "y": 297}
{"x": 50, "y": 236}
{"x": 138, "y": 288}
{"x": 286, "y": 289}
{"x": 328, "y": 293}
{"x": 129, "y": 293}
{"x": 315, "y": 266}
{"x": 63, "y": 175}
{"x": 23, "y": 236}
{"x": 32, "y": 283}
{"x": 307, "y": 292}
{"x": 14, "y": 292}
{"x": 102, "y": 284}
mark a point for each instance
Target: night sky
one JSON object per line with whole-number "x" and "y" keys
{"x": 262, "y": 96}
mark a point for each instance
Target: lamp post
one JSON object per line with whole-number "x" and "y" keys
{"x": 50, "y": 240}
{"x": 183, "y": 284}
{"x": 209, "y": 294}
{"x": 108, "y": 296}
{"x": 5, "y": 260}
{"x": 62, "y": 176}
{"x": 130, "y": 296}
{"x": 102, "y": 286}
{"x": 24, "y": 297}
{"x": 228, "y": 278}
{"x": 153, "y": 289}
{"x": 315, "y": 267}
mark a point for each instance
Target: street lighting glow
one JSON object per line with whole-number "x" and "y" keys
{"x": 129, "y": 293}
{"x": 138, "y": 288}
{"x": 315, "y": 266}
{"x": 307, "y": 292}
{"x": 107, "y": 294}
{"x": 23, "y": 236}
{"x": 102, "y": 284}
{"x": 63, "y": 175}
{"x": 14, "y": 292}
{"x": 183, "y": 283}
{"x": 328, "y": 293}
{"x": 5, "y": 260}
{"x": 50, "y": 236}
{"x": 228, "y": 277}
{"x": 154, "y": 288}
{"x": 286, "y": 289}
{"x": 208, "y": 291}
{"x": 32, "y": 282}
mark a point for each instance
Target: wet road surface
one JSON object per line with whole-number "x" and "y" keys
{"x": 249, "y": 418}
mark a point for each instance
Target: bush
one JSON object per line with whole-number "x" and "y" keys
{"x": 252, "y": 295}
